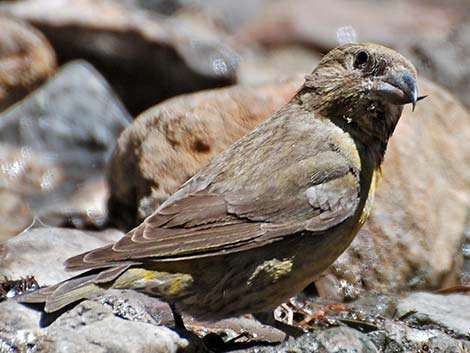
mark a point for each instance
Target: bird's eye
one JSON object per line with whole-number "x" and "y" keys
{"x": 361, "y": 58}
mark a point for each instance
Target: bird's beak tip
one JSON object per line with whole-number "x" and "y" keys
{"x": 414, "y": 97}
{"x": 417, "y": 100}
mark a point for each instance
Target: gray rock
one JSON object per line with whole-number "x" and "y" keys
{"x": 74, "y": 118}
{"x": 15, "y": 316}
{"x": 89, "y": 327}
{"x": 41, "y": 252}
{"x": 135, "y": 306}
{"x": 398, "y": 337}
{"x": 18, "y": 326}
{"x": 450, "y": 311}
{"x": 55, "y": 144}
{"x": 439, "y": 326}
{"x": 333, "y": 340}
{"x": 126, "y": 321}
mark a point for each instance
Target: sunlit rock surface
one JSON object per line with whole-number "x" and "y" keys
{"x": 449, "y": 311}
{"x": 128, "y": 321}
{"x": 42, "y": 250}
{"x": 89, "y": 327}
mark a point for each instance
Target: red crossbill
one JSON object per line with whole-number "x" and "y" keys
{"x": 263, "y": 219}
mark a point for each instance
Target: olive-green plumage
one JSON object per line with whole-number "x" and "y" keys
{"x": 273, "y": 211}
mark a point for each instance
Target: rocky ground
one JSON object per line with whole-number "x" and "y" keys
{"x": 93, "y": 137}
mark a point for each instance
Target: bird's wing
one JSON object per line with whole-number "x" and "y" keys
{"x": 319, "y": 193}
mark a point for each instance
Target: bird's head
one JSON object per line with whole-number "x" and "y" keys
{"x": 364, "y": 84}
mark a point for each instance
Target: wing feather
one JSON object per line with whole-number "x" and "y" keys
{"x": 160, "y": 240}
{"x": 210, "y": 215}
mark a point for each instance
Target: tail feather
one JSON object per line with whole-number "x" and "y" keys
{"x": 85, "y": 286}
{"x": 71, "y": 291}
{"x": 37, "y": 296}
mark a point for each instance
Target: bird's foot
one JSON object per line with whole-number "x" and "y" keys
{"x": 321, "y": 313}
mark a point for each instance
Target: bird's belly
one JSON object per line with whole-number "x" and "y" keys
{"x": 247, "y": 282}
{"x": 258, "y": 283}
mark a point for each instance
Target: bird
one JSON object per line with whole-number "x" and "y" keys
{"x": 268, "y": 215}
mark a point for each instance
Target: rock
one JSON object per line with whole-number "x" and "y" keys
{"x": 15, "y": 214}
{"x": 54, "y": 147}
{"x": 227, "y": 13}
{"x": 41, "y": 252}
{"x": 147, "y": 58}
{"x": 374, "y": 324}
{"x": 89, "y": 327}
{"x": 261, "y": 66}
{"x": 168, "y": 143}
{"x": 449, "y": 311}
{"x": 21, "y": 325}
{"x": 398, "y": 337}
{"x": 314, "y": 24}
{"x": 135, "y": 306}
{"x": 26, "y": 60}
{"x": 333, "y": 340}
{"x": 18, "y": 326}
{"x": 16, "y": 318}
{"x": 413, "y": 236}
{"x": 447, "y": 60}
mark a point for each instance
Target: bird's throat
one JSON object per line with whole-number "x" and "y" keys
{"x": 369, "y": 123}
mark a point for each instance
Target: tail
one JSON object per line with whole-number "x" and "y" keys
{"x": 86, "y": 286}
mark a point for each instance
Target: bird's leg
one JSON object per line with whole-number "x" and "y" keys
{"x": 321, "y": 313}
{"x": 267, "y": 318}
{"x": 179, "y": 324}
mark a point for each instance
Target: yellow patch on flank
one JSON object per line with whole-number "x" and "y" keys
{"x": 270, "y": 271}
{"x": 134, "y": 278}
{"x": 179, "y": 283}
{"x": 141, "y": 279}
{"x": 370, "y": 197}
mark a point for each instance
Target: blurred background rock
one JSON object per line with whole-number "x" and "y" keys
{"x": 74, "y": 74}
